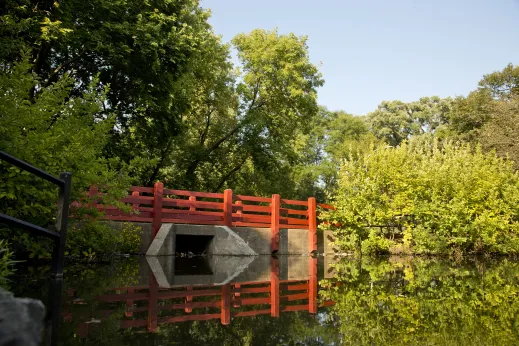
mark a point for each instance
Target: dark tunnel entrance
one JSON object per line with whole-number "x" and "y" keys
{"x": 188, "y": 249}
{"x": 192, "y": 244}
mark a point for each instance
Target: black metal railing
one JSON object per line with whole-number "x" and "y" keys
{"x": 63, "y": 182}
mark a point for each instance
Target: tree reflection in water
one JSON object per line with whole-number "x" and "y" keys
{"x": 390, "y": 301}
{"x": 426, "y": 302}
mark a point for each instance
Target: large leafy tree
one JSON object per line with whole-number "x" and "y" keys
{"x": 396, "y": 121}
{"x": 141, "y": 49}
{"x": 242, "y": 129}
{"x": 489, "y": 115}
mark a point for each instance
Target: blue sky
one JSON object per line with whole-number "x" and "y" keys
{"x": 375, "y": 50}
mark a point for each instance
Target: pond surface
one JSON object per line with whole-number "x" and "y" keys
{"x": 280, "y": 301}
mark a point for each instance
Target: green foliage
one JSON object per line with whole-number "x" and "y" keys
{"x": 141, "y": 49}
{"x": 502, "y": 84}
{"x": 129, "y": 238}
{"x": 425, "y": 302}
{"x": 6, "y": 262}
{"x": 91, "y": 239}
{"x": 246, "y": 129}
{"x": 429, "y": 197}
{"x": 54, "y": 132}
{"x": 396, "y": 121}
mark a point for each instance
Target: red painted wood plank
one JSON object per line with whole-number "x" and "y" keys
{"x": 167, "y": 211}
{"x": 294, "y": 308}
{"x": 299, "y": 287}
{"x": 141, "y": 189}
{"x": 172, "y": 216}
{"x": 274, "y": 287}
{"x": 251, "y": 224}
{"x": 293, "y": 297}
{"x": 295, "y": 226}
{"x": 152, "y": 304}
{"x": 293, "y": 211}
{"x": 193, "y": 222}
{"x": 203, "y": 317}
{"x": 117, "y": 212}
{"x": 147, "y": 200}
{"x": 133, "y": 218}
{"x": 161, "y": 295}
{"x": 294, "y": 202}
{"x": 292, "y": 221}
{"x": 193, "y": 193}
{"x": 252, "y": 198}
{"x": 326, "y": 206}
{"x": 227, "y": 208}
{"x": 252, "y": 218}
{"x": 225, "y": 315}
{"x": 189, "y": 204}
{"x": 252, "y": 289}
{"x": 274, "y": 223}
{"x": 253, "y": 208}
{"x": 192, "y": 305}
{"x": 313, "y": 286}
{"x": 251, "y": 313}
{"x": 312, "y": 224}
{"x": 254, "y": 301}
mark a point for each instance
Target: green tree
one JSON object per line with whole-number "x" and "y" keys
{"x": 55, "y": 132}
{"x": 243, "y": 130}
{"x": 502, "y": 84}
{"x": 396, "y": 121}
{"x": 141, "y": 49}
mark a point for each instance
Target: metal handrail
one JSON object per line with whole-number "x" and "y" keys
{"x": 64, "y": 182}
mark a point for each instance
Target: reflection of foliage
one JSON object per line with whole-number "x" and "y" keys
{"x": 425, "y": 302}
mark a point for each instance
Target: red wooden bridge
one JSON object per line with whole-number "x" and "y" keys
{"x": 149, "y": 306}
{"x": 158, "y": 205}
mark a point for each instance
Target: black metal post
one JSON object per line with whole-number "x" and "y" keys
{"x": 53, "y": 317}
{"x": 61, "y": 224}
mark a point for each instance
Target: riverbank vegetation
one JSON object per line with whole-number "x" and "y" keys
{"x": 128, "y": 93}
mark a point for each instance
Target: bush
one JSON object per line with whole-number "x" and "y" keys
{"x": 58, "y": 133}
{"x": 430, "y": 198}
{"x": 97, "y": 239}
{"x": 6, "y": 262}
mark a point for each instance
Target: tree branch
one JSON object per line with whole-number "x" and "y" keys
{"x": 230, "y": 173}
{"x": 203, "y": 136}
{"x": 53, "y": 76}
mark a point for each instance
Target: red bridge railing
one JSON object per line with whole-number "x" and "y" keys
{"x": 158, "y": 205}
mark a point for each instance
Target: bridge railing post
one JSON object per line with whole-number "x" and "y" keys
{"x": 135, "y": 206}
{"x": 312, "y": 286}
{"x": 225, "y": 308}
{"x": 274, "y": 287}
{"x": 274, "y": 223}
{"x": 158, "y": 190}
{"x": 227, "y": 207}
{"x": 312, "y": 224}
{"x": 93, "y": 191}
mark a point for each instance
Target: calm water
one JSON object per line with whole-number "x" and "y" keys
{"x": 283, "y": 301}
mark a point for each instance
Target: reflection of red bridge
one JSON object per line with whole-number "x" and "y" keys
{"x": 207, "y": 302}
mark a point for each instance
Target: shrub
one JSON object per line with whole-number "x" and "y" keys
{"x": 431, "y": 198}
{"x": 94, "y": 239}
{"x": 6, "y": 262}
